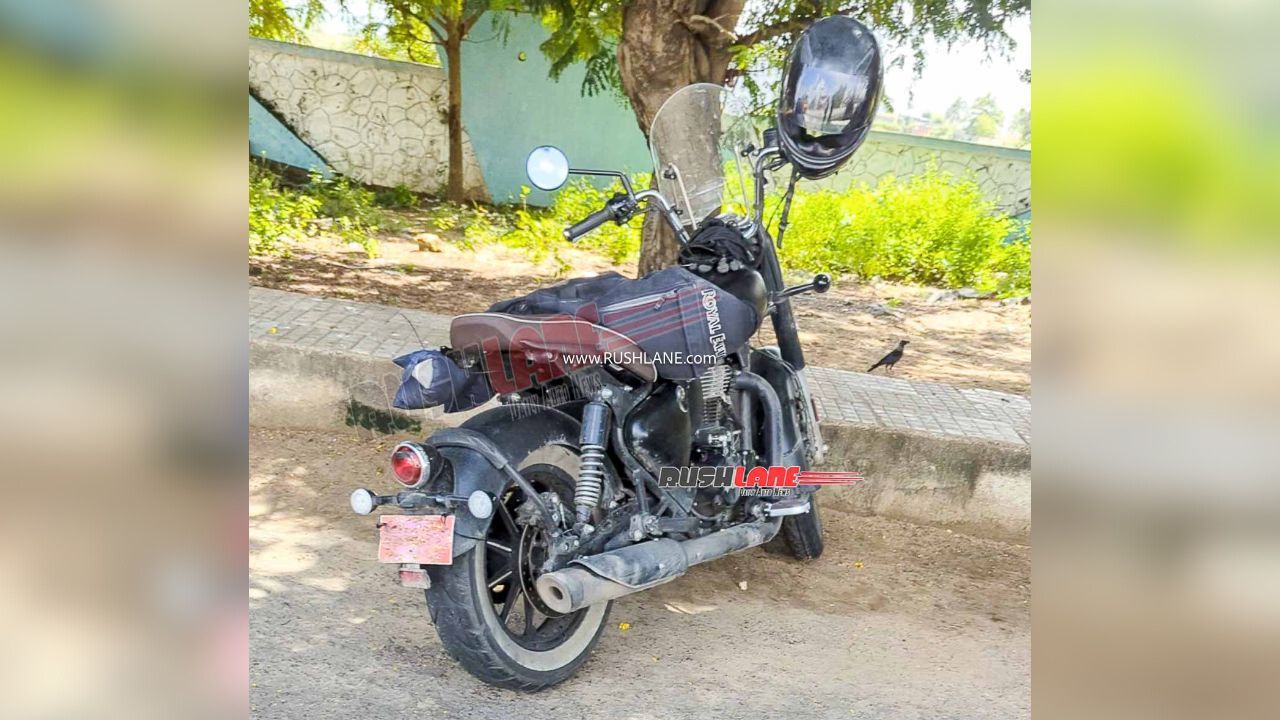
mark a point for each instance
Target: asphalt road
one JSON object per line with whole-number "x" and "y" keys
{"x": 894, "y": 621}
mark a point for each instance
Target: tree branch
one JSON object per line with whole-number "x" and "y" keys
{"x": 769, "y": 32}
{"x": 441, "y": 37}
{"x": 469, "y": 21}
{"x": 709, "y": 30}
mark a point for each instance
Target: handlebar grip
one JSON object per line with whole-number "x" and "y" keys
{"x": 589, "y": 223}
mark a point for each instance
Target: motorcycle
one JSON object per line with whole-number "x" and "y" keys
{"x": 638, "y": 432}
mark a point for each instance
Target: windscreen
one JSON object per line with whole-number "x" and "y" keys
{"x": 697, "y": 139}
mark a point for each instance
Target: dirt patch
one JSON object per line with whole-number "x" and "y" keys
{"x": 895, "y": 620}
{"x": 966, "y": 343}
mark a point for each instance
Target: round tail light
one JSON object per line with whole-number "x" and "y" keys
{"x": 410, "y": 464}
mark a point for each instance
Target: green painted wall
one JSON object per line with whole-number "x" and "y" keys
{"x": 270, "y": 139}
{"x": 509, "y": 107}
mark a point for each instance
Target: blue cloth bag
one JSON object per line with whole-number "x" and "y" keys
{"x": 431, "y": 379}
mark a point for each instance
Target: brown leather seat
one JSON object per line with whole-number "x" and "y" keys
{"x": 544, "y": 341}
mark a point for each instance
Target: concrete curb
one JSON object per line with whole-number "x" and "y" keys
{"x": 976, "y": 486}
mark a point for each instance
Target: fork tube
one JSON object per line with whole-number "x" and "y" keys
{"x": 784, "y": 320}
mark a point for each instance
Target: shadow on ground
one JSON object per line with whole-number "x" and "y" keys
{"x": 895, "y": 620}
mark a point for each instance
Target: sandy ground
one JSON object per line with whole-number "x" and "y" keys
{"x": 894, "y": 621}
{"x": 967, "y": 343}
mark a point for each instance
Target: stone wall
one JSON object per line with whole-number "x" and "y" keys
{"x": 1004, "y": 174}
{"x": 377, "y": 121}
{"x": 382, "y": 122}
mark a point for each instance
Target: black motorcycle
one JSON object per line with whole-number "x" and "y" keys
{"x": 637, "y": 431}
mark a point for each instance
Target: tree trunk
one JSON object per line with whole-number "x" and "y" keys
{"x": 455, "y": 190}
{"x": 666, "y": 45}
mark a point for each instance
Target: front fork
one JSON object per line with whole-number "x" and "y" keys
{"x": 788, "y": 335}
{"x": 784, "y": 319}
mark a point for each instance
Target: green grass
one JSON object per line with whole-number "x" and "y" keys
{"x": 930, "y": 229}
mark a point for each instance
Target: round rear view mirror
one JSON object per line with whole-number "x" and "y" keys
{"x": 547, "y": 167}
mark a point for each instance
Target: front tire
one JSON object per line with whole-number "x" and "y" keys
{"x": 803, "y": 533}
{"x": 486, "y": 620}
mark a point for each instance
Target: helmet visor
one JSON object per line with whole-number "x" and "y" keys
{"x": 828, "y": 100}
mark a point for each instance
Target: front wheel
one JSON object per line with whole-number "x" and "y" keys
{"x": 803, "y": 533}
{"x": 485, "y": 609}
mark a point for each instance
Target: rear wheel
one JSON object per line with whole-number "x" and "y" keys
{"x": 803, "y": 533}
{"x": 486, "y": 611}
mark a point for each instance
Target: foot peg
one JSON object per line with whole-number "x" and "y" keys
{"x": 794, "y": 505}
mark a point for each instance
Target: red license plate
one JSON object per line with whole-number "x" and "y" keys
{"x": 425, "y": 539}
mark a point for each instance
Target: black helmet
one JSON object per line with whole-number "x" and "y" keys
{"x": 830, "y": 89}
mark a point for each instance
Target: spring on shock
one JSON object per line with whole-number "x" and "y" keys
{"x": 595, "y": 428}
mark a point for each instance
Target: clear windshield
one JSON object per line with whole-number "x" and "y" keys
{"x": 697, "y": 140}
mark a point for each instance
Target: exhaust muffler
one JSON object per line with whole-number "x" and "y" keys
{"x": 599, "y": 578}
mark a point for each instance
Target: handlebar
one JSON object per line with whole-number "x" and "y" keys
{"x": 622, "y": 207}
{"x": 590, "y": 222}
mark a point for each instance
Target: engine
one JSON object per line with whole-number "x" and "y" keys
{"x": 717, "y": 438}
{"x": 714, "y": 441}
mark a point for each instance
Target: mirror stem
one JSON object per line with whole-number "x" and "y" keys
{"x": 786, "y": 206}
{"x": 626, "y": 181}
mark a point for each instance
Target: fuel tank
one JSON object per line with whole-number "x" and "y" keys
{"x": 745, "y": 284}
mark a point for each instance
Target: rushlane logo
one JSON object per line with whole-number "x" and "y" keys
{"x": 773, "y": 480}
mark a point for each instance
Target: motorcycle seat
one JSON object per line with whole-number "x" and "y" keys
{"x": 558, "y": 341}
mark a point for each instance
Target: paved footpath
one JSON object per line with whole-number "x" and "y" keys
{"x": 844, "y": 397}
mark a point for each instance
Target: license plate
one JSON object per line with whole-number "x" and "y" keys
{"x": 425, "y": 539}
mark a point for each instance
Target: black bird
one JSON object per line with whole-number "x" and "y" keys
{"x": 888, "y": 361}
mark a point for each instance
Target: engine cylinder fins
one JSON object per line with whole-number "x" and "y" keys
{"x": 714, "y": 388}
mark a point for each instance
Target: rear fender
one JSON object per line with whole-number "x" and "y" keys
{"x": 513, "y": 432}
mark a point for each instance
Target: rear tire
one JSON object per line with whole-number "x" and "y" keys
{"x": 473, "y": 610}
{"x": 803, "y": 533}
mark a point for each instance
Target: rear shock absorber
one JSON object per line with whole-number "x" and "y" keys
{"x": 595, "y": 428}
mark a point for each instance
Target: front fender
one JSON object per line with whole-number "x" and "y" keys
{"x": 513, "y": 432}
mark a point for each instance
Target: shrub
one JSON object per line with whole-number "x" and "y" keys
{"x": 1012, "y": 266}
{"x": 399, "y": 196}
{"x": 539, "y": 231}
{"x": 931, "y": 229}
{"x": 356, "y": 215}
{"x": 277, "y": 215}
